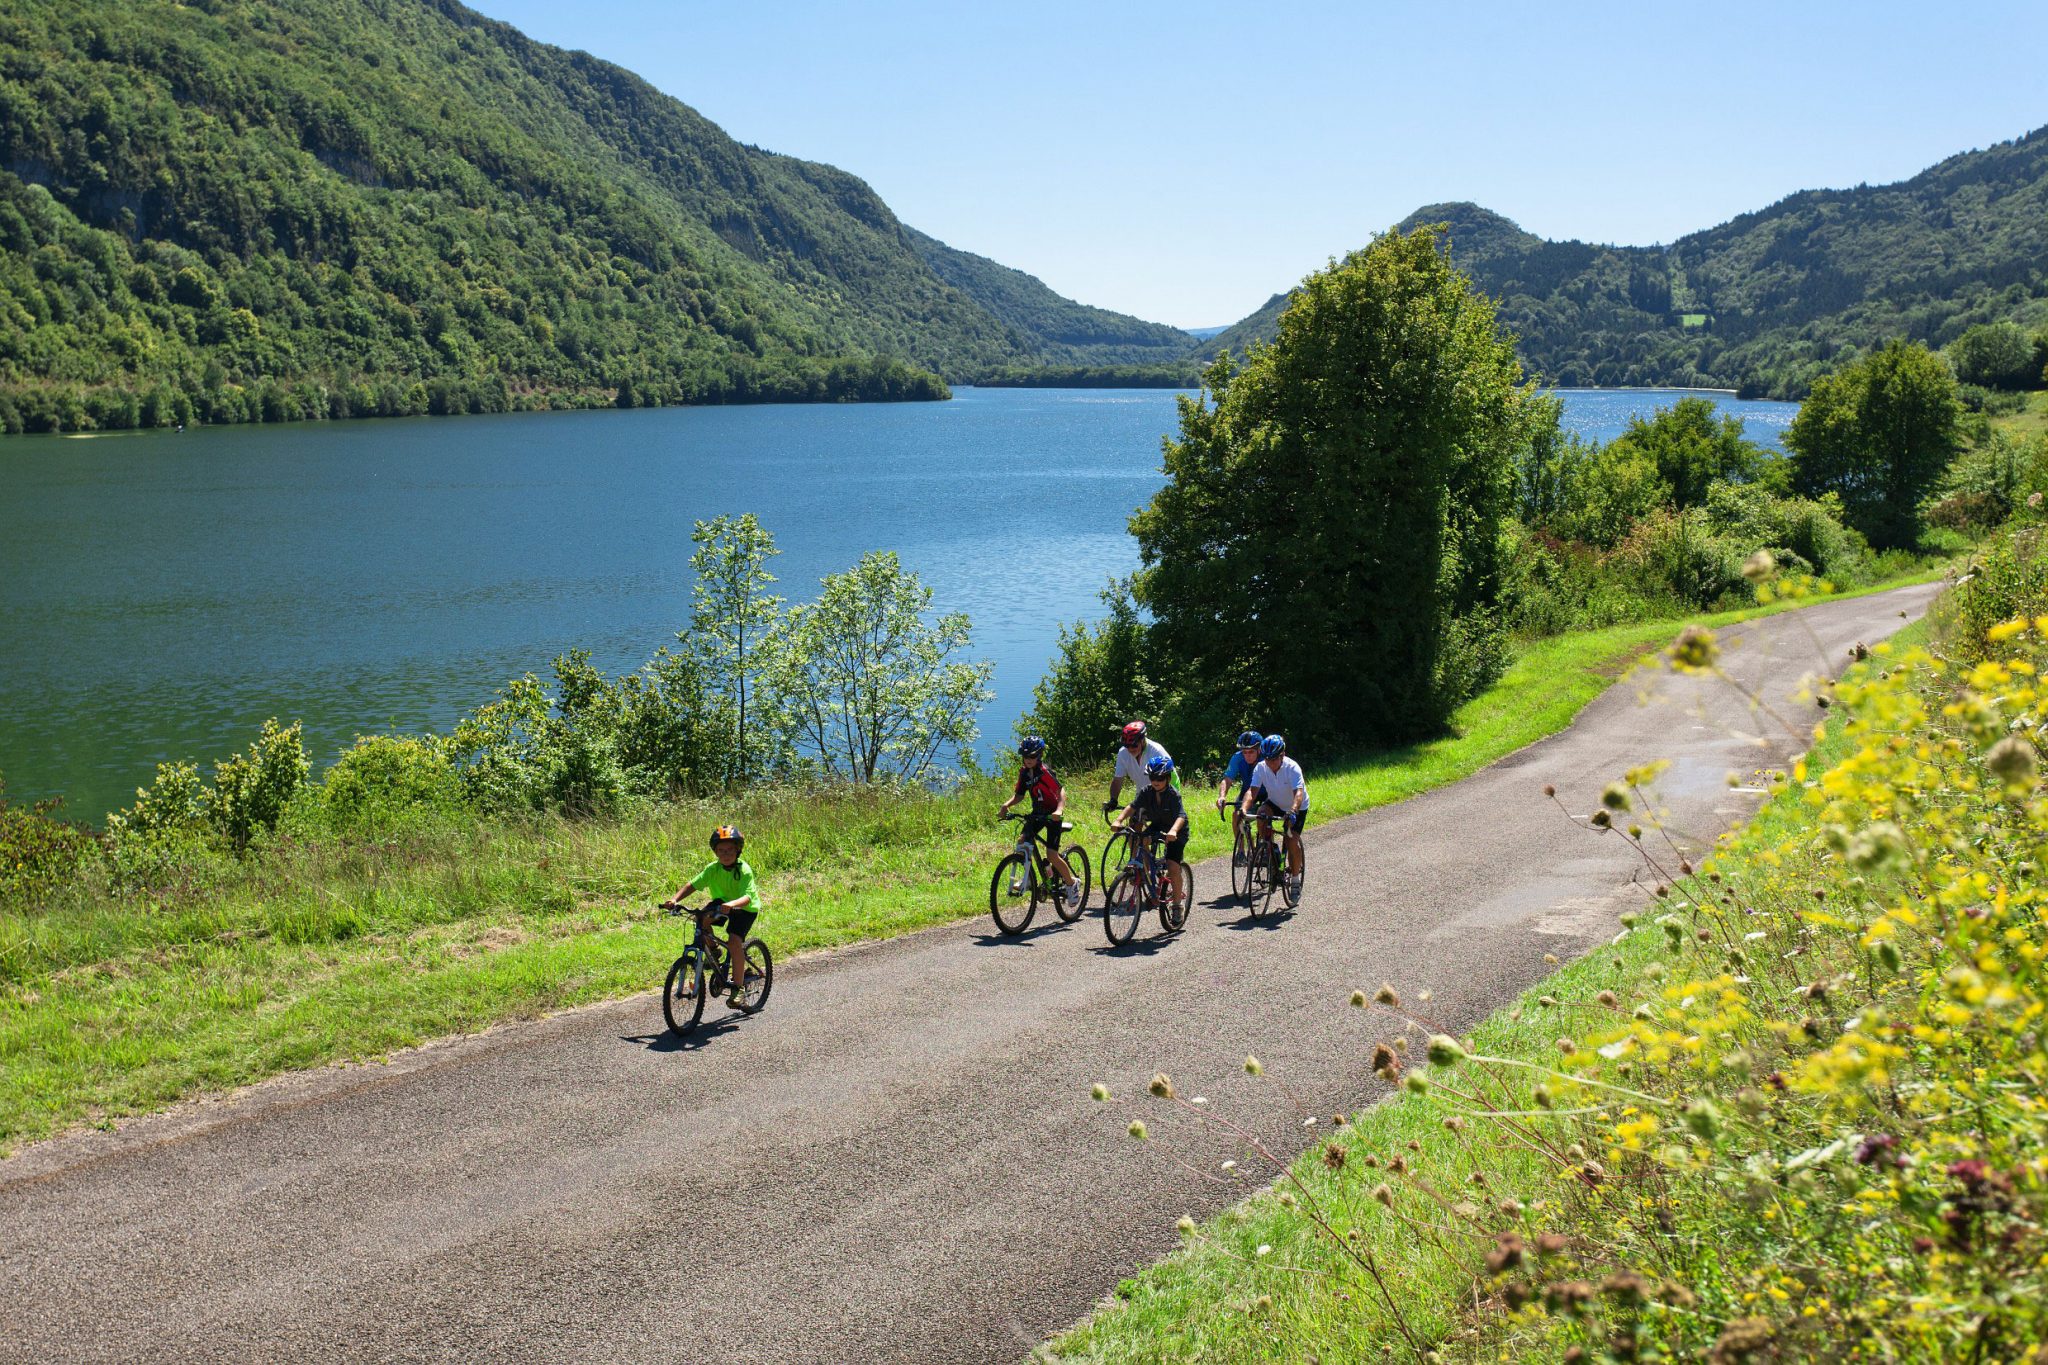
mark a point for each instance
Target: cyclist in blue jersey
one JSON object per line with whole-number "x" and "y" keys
{"x": 1238, "y": 774}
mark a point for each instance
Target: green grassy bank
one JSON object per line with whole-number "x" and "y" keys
{"x": 1795, "y": 1115}
{"x": 323, "y": 952}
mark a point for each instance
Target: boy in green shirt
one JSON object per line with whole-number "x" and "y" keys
{"x": 729, "y": 881}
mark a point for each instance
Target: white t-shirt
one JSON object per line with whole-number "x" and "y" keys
{"x": 1280, "y": 787}
{"x": 1131, "y": 769}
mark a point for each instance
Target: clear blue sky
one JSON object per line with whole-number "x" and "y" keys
{"x": 1182, "y": 162}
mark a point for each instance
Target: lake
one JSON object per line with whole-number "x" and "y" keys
{"x": 162, "y": 593}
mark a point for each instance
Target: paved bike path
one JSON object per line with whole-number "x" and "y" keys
{"x": 899, "y": 1159}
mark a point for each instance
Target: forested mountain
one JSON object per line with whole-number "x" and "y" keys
{"x": 270, "y": 208}
{"x": 1770, "y": 300}
{"x": 1060, "y": 330}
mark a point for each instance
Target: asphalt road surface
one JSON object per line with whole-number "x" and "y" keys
{"x": 898, "y": 1159}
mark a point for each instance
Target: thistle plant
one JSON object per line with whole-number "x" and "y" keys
{"x": 1797, "y": 1110}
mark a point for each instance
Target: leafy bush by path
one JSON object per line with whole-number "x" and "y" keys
{"x": 1795, "y": 1113}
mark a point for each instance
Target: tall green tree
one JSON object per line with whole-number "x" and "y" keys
{"x": 872, "y": 688}
{"x": 734, "y": 618}
{"x": 1326, "y": 549}
{"x": 1997, "y": 355}
{"x": 1693, "y": 449}
{"x": 1879, "y": 433}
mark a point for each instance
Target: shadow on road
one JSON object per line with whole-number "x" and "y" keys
{"x": 666, "y": 1041}
{"x": 1027, "y": 939}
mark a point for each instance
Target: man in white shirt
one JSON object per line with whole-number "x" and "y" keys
{"x": 1131, "y": 760}
{"x": 1279, "y": 791}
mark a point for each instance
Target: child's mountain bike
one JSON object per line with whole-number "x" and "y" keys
{"x": 1025, "y": 877}
{"x": 702, "y": 970}
{"x": 1146, "y": 883}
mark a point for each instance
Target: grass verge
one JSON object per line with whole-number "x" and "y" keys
{"x": 320, "y": 953}
{"x": 1261, "y": 1281}
{"x": 1796, "y": 1116}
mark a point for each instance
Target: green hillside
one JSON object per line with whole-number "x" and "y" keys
{"x": 1768, "y": 301}
{"x": 239, "y": 211}
{"x": 1057, "y": 329}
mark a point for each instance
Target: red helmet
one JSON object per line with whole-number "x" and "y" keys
{"x": 1134, "y": 733}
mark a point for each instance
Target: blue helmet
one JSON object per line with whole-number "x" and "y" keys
{"x": 1032, "y": 747}
{"x": 1250, "y": 739}
{"x": 1159, "y": 769}
{"x": 1272, "y": 746}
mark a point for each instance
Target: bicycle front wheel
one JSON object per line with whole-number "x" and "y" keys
{"x": 1071, "y": 909}
{"x": 1122, "y": 904}
{"x": 1241, "y": 864}
{"x": 1011, "y": 897}
{"x": 1115, "y": 855}
{"x": 1173, "y": 916}
{"x": 1291, "y": 887}
{"x": 760, "y": 977}
{"x": 682, "y": 997}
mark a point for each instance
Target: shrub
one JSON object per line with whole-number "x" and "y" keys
{"x": 1808, "y": 529}
{"x": 251, "y": 790}
{"x": 2007, "y": 579}
{"x": 1676, "y": 553}
{"x": 38, "y": 852}
{"x": 386, "y": 783}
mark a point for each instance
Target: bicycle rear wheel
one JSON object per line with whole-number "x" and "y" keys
{"x": 1122, "y": 905}
{"x": 1077, "y": 863}
{"x": 682, "y": 996}
{"x": 1012, "y": 908}
{"x": 760, "y": 977}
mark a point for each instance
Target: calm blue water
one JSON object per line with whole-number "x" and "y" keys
{"x": 161, "y": 594}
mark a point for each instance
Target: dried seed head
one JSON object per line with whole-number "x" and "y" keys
{"x": 1549, "y": 790}
{"x": 1695, "y": 648}
{"x": 2014, "y": 762}
{"x": 1333, "y": 1155}
{"x": 1137, "y": 1130}
{"x": 1600, "y": 819}
{"x": 1614, "y": 796}
{"x": 1386, "y": 996}
{"x": 1358, "y": 1000}
{"x": 1382, "y": 1057}
{"x": 1444, "y": 1050}
{"x": 1759, "y": 566}
{"x": 1384, "y": 1193}
{"x": 1608, "y": 998}
{"x": 1186, "y": 1226}
{"x": 1161, "y": 1087}
{"x": 1252, "y": 1067}
{"x": 1099, "y": 1091}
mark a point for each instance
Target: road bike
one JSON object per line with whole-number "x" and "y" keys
{"x": 702, "y": 970}
{"x": 1265, "y": 871}
{"x": 1146, "y": 883}
{"x": 1024, "y": 877}
{"x": 1241, "y": 841}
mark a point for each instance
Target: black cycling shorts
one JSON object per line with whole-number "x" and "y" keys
{"x": 1035, "y": 825}
{"x": 739, "y": 922}
{"x": 1291, "y": 822}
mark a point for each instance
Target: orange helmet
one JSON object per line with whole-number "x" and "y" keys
{"x": 724, "y": 832}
